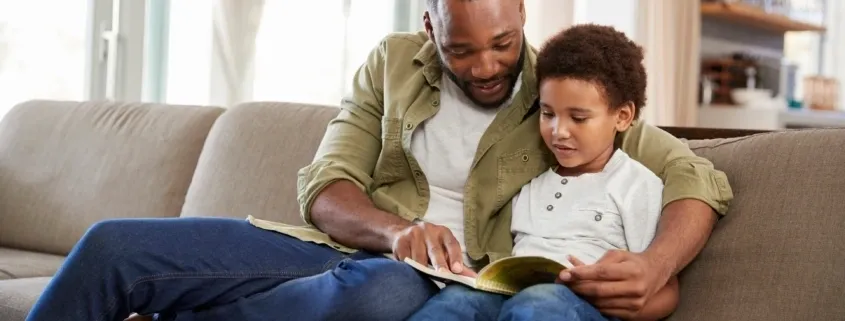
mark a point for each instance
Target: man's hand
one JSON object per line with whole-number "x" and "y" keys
{"x": 424, "y": 243}
{"x": 619, "y": 284}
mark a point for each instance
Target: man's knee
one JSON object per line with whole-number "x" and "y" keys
{"x": 384, "y": 289}
{"x": 107, "y": 240}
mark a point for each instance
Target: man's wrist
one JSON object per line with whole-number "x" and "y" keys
{"x": 661, "y": 263}
{"x": 392, "y": 229}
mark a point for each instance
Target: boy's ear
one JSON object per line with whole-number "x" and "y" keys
{"x": 625, "y": 116}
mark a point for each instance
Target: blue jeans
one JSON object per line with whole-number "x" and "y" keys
{"x": 223, "y": 269}
{"x": 539, "y": 302}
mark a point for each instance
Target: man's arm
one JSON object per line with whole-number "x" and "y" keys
{"x": 683, "y": 231}
{"x": 662, "y": 304}
{"x": 332, "y": 190}
{"x": 348, "y": 215}
{"x": 694, "y": 194}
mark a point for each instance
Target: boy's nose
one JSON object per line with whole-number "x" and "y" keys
{"x": 561, "y": 132}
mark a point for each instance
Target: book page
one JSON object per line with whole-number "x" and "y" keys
{"x": 443, "y": 275}
{"x": 513, "y": 274}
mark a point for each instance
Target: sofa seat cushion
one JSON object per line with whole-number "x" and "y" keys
{"x": 250, "y": 161}
{"x": 778, "y": 253}
{"x": 15, "y": 264}
{"x": 18, "y": 296}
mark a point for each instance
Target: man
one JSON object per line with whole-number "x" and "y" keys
{"x": 435, "y": 138}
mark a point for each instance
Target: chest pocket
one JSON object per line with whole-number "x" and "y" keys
{"x": 391, "y": 163}
{"x": 598, "y": 219}
{"x": 515, "y": 169}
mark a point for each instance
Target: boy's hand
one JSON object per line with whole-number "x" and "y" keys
{"x": 429, "y": 243}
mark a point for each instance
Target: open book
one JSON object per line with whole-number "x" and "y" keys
{"x": 505, "y": 276}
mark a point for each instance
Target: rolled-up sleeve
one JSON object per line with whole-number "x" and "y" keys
{"x": 684, "y": 174}
{"x": 350, "y": 148}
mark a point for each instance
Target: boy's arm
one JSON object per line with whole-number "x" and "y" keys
{"x": 662, "y": 304}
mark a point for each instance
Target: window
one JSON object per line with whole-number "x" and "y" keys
{"x": 299, "y": 51}
{"x": 42, "y": 52}
{"x": 188, "y": 51}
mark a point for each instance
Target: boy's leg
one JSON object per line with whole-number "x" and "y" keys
{"x": 155, "y": 265}
{"x": 549, "y": 302}
{"x": 459, "y": 302}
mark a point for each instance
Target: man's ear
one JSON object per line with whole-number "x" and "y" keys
{"x": 625, "y": 116}
{"x": 429, "y": 29}
{"x": 522, "y": 11}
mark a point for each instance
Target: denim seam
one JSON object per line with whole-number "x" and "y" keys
{"x": 333, "y": 262}
{"x": 195, "y": 275}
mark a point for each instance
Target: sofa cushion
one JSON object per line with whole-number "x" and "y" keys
{"x": 18, "y": 296}
{"x": 16, "y": 264}
{"x": 67, "y": 165}
{"x": 251, "y": 158}
{"x": 778, "y": 253}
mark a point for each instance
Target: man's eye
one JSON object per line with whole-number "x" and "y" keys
{"x": 579, "y": 119}
{"x": 502, "y": 46}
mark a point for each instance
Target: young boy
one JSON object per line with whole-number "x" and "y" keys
{"x": 592, "y": 86}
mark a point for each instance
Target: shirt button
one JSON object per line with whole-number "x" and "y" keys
{"x": 417, "y": 173}
{"x": 435, "y": 103}
{"x": 524, "y": 158}
{"x": 549, "y": 208}
{"x": 558, "y": 195}
{"x": 598, "y": 217}
{"x": 564, "y": 181}
{"x": 409, "y": 126}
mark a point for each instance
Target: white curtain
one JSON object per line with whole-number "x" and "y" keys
{"x": 235, "y": 25}
{"x": 834, "y": 47}
{"x": 669, "y": 31}
{"x": 545, "y": 18}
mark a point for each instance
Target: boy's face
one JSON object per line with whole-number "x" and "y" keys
{"x": 578, "y": 125}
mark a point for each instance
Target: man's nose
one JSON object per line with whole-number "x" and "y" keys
{"x": 486, "y": 67}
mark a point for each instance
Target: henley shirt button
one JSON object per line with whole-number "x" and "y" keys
{"x": 550, "y": 208}
{"x": 408, "y": 126}
{"x": 598, "y": 217}
{"x": 564, "y": 181}
{"x": 524, "y": 158}
{"x": 435, "y": 103}
{"x": 558, "y": 195}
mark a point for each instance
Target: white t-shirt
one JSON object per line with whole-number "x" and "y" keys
{"x": 585, "y": 216}
{"x": 444, "y": 146}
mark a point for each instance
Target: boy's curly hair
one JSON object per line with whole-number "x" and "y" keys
{"x": 599, "y": 54}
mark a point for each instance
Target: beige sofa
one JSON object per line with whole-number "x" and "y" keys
{"x": 778, "y": 255}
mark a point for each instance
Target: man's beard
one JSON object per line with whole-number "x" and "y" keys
{"x": 510, "y": 81}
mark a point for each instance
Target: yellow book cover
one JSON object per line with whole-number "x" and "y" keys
{"x": 505, "y": 276}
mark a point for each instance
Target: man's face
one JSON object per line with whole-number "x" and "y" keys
{"x": 480, "y": 46}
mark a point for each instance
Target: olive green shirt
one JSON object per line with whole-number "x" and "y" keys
{"x": 397, "y": 89}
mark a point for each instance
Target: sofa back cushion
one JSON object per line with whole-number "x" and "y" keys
{"x": 250, "y": 162}
{"x": 778, "y": 253}
{"x": 67, "y": 165}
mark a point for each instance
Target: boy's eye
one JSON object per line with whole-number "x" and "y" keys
{"x": 546, "y": 114}
{"x": 579, "y": 119}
